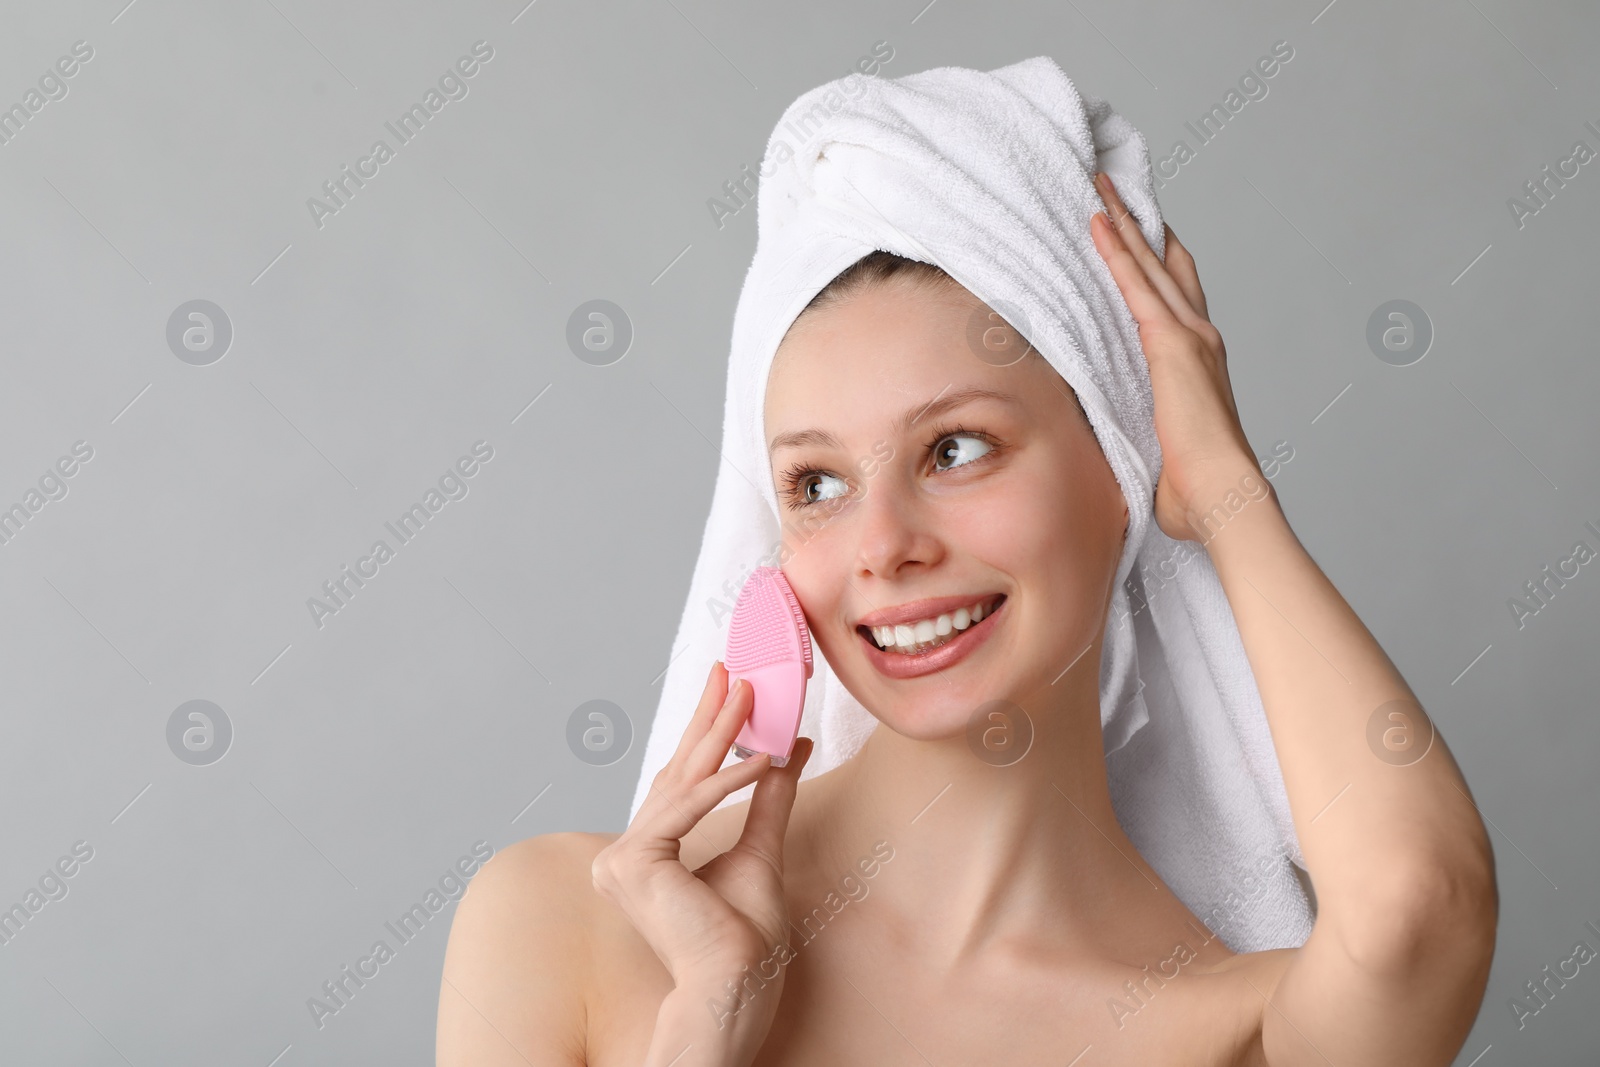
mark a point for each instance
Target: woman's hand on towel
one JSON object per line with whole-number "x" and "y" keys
{"x": 708, "y": 923}
{"x": 1204, "y": 449}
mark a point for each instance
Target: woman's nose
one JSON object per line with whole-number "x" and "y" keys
{"x": 894, "y": 530}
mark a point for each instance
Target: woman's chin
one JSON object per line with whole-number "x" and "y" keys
{"x": 939, "y": 715}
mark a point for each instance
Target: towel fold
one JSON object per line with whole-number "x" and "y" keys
{"x": 989, "y": 175}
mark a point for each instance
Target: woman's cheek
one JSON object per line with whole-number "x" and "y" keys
{"x": 1016, "y": 524}
{"x": 805, "y": 542}
{"x": 815, "y": 577}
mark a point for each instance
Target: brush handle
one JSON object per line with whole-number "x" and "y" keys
{"x": 774, "y": 722}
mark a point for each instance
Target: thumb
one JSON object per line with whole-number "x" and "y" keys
{"x": 767, "y": 820}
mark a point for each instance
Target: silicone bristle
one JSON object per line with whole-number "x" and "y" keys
{"x": 767, "y": 625}
{"x": 799, "y": 620}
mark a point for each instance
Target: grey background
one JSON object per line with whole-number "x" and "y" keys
{"x": 369, "y": 354}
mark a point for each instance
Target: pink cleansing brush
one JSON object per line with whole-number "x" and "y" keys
{"x": 770, "y": 647}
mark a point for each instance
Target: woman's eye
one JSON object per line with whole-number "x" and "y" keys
{"x": 955, "y": 453}
{"x": 806, "y": 484}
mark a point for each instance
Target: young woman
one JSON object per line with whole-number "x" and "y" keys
{"x": 956, "y": 912}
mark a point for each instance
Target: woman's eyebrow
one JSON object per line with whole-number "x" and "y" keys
{"x": 940, "y": 404}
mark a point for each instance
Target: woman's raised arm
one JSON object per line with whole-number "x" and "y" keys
{"x": 1395, "y": 968}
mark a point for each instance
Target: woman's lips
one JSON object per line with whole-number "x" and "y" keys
{"x": 900, "y": 665}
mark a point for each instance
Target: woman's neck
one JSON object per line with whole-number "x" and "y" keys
{"x": 1026, "y": 856}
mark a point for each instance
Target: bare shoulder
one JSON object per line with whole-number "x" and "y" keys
{"x": 516, "y": 970}
{"x": 1266, "y": 967}
{"x": 1245, "y": 984}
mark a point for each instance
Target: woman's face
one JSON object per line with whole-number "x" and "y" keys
{"x": 892, "y": 496}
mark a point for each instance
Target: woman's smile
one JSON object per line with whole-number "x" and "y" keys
{"x": 932, "y": 643}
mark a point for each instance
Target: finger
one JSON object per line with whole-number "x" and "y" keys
{"x": 1127, "y": 229}
{"x": 1180, "y": 264}
{"x": 711, "y": 699}
{"x": 1148, "y": 306}
{"x": 705, "y": 743}
{"x": 767, "y": 820}
{"x": 713, "y": 745}
{"x": 682, "y": 812}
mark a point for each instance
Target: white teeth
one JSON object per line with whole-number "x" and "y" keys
{"x": 925, "y": 633}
